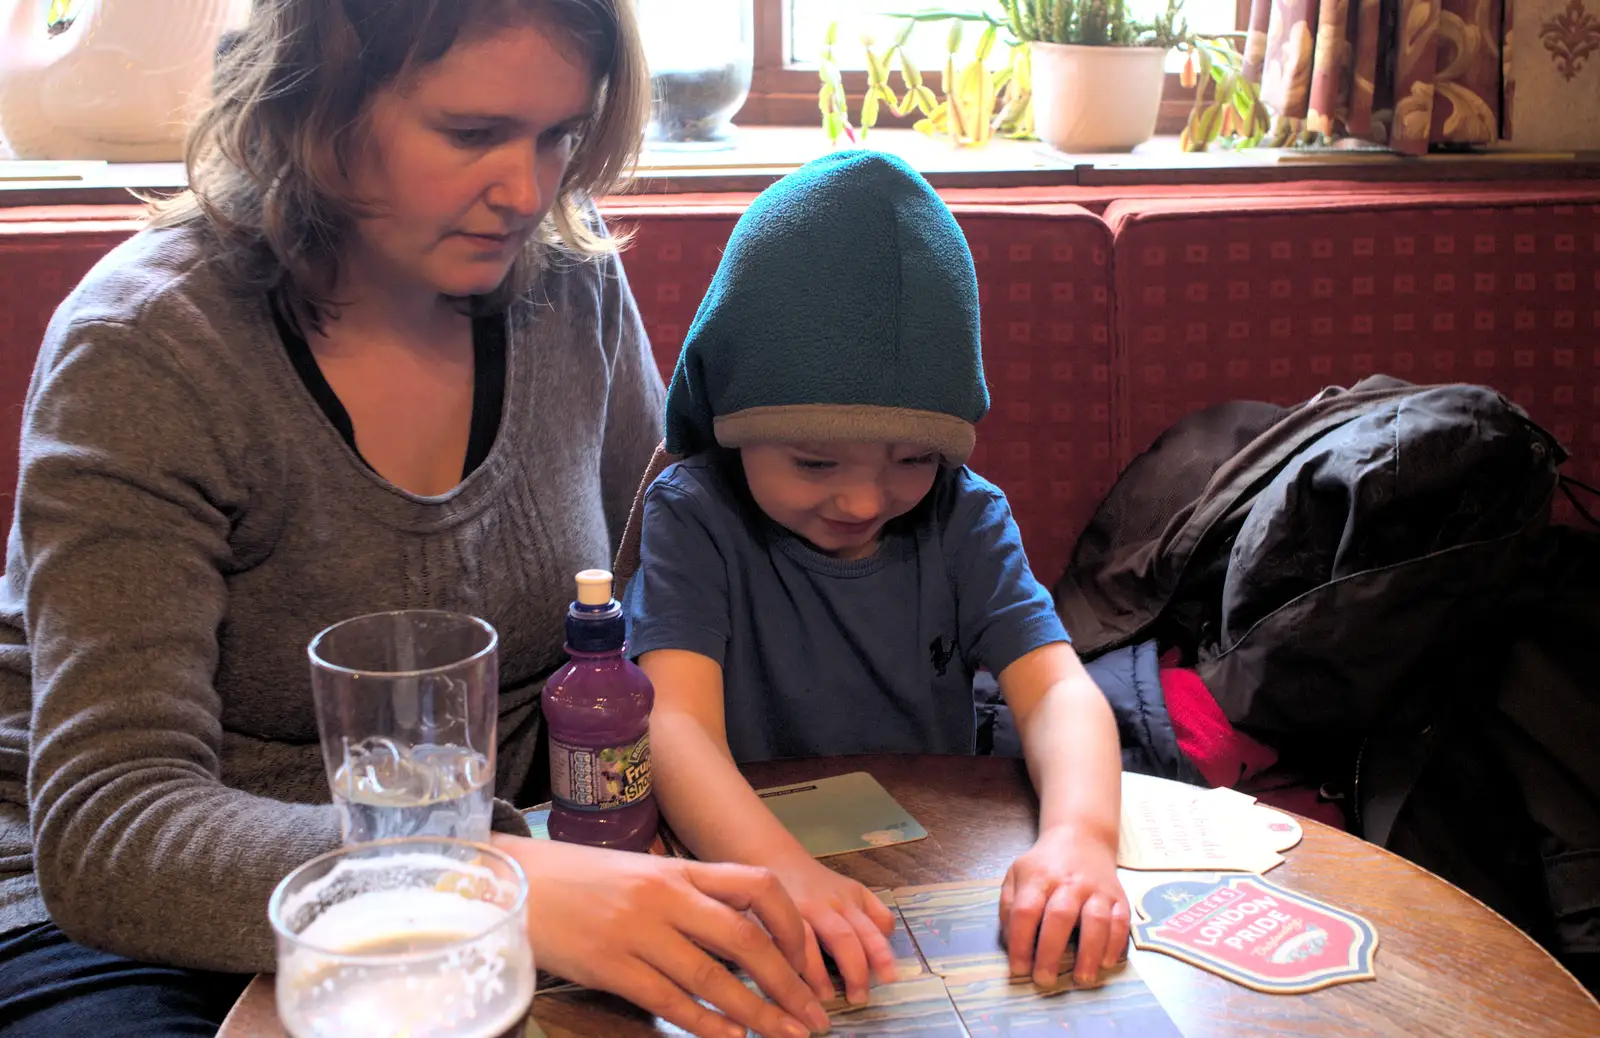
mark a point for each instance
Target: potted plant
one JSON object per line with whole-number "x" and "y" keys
{"x": 1097, "y": 73}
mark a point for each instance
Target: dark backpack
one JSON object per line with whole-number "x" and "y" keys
{"x": 1370, "y": 584}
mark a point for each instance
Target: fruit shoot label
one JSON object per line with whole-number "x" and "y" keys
{"x": 585, "y": 778}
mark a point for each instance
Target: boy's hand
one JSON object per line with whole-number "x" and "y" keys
{"x": 1066, "y": 878}
{"x": 848, "y": 920}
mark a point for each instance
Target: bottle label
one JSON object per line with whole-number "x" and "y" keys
{"x": 586, "y": 779}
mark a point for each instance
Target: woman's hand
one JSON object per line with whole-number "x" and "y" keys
{"x": 642, "y": 926}
{"x": 1064, "y": 879}
{"x": 848, "y": 920}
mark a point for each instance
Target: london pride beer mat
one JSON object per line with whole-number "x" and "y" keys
{"x": 1256, "y": 933}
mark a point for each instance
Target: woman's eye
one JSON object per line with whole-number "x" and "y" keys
{"x": 813, "y": 464}
{"x": 919, "y": 461}
{"x": 473, "y": 136}
{"x": 559, "y": 138}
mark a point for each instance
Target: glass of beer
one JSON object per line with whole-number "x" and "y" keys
{"x": 423, "y": 937}
{"x": 406, "y": 707}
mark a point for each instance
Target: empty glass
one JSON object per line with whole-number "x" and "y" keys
{"x": 406, "y": 707}
{"x": 420, "y": 937}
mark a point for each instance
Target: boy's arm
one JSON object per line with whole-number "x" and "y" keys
{"x": 1069, "y": 737}
{"x": 1068, "y": 879}
{"x": 712, "y": 808}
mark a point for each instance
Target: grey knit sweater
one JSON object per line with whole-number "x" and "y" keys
{"x": 187, "y": 518}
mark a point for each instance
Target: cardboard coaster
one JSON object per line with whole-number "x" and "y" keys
{"x": 841, "y": 814}
{"x": 1256, "y": 933}
{"x": 1167, "y": 826}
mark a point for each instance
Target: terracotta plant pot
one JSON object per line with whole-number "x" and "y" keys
{"x": 1089, "y": 99}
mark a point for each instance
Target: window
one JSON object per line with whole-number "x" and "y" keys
{"x": 809, "y": 20}
{"x": 789, "y": 37}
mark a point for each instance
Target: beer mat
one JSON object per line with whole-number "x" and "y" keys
{"x": 952, "y": 980}
{"x": 1256, "y": 933}
{"x": 956, "y": 927}
{"x": 1168, "y": 826}
{"x": 841, "y": 814}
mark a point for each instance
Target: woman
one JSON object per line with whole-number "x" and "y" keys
{"x": 382, "y": 356}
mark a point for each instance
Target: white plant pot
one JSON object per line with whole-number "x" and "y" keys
{"x": 1095, "y": 99}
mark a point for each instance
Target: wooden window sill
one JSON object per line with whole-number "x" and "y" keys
{"x": 765, "y": 153}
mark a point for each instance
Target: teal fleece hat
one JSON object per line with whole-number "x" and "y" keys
{"x": 845, "y": 308}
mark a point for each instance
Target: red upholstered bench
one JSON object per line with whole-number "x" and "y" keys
{"x": 1274, "y": 298}
{"x": 1098, "y": 333}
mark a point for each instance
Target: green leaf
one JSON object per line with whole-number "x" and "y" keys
{"x": 954, "y": 42}
{"x": 831, "y": 38}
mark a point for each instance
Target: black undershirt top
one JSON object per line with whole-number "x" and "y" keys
{"x": 488, "y": 384}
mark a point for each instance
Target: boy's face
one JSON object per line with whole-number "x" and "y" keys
{"x": 838, "y": 496}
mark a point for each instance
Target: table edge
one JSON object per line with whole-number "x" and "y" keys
{"x": 1414, "y": 867}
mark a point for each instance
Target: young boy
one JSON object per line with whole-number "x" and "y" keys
{"x": 821, "y": 574}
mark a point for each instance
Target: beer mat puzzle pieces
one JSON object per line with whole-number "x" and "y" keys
{"x": 1124, "y": 1005}
{"x": 908, "y": 963}
{"x": 1169, "y": 826}
{"x": 909, "y": 1007}
{"x": 956, "y": 926}
{"x": 1256, "y": 933}
{"x": 841, "y": 814}
{"x": 970, "y": 995}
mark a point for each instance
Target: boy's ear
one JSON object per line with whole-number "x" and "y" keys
{"x": 627, "y": 558}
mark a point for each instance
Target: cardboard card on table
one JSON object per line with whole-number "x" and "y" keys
{"x": 1256, "y": 933}
{"x": 841, "y": 814}
{"x": 920, "y": 1006}
{"x": 1169, "y": 826}
{"x": 956, "y": 927}
{"x": 1123, "y": 1005}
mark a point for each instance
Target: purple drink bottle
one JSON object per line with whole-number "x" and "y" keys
{"x": 597, "y": 707}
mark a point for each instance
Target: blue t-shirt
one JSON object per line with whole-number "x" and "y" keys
{"x": 824, "y": 656}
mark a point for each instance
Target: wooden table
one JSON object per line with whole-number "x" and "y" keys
{"x": 1447, "y": 965}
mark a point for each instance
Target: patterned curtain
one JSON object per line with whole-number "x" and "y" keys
{"x": 1408, "y": 74}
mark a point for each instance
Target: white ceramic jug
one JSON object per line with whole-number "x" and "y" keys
{"x": 121, "y": 83}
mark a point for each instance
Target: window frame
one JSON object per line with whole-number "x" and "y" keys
{"x": 785, "y": 94}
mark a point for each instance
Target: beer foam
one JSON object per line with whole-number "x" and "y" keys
{"x": 377, "y": 919}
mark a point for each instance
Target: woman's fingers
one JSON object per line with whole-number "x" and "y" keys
{"x": 720, "y": 924}
{"x": 656, "y": 993}
{"x": 758, "y": 891}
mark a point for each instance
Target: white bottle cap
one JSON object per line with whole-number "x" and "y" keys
{"x": 594, "y": 587}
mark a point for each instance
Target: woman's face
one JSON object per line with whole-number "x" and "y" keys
{"x": 463, "y": 162}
